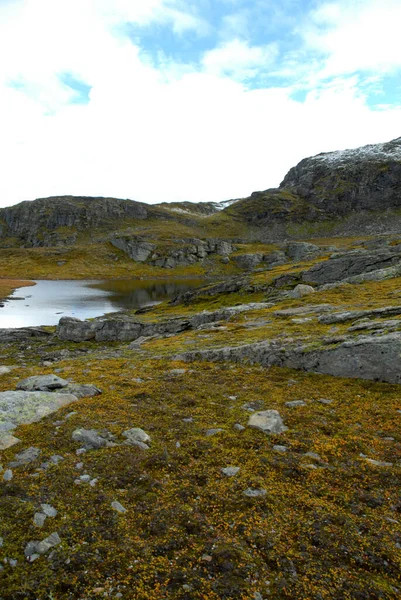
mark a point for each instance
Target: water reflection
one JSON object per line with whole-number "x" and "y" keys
{"x": 47, "y": 301}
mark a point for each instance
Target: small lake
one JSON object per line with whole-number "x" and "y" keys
{"x": 48, "y": 301}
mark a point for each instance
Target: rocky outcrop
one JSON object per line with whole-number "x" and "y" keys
{"x": 22, "y": 333}
{"x": 136, "y": 248}
{"x": 38, "y": 223}
{"x": 127, "y": 329}
{"x": 337, "y": 183}
{"x": 375, "y": 357}
{"x": 352, "y": 263}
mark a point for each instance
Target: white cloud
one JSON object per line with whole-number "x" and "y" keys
{"x": 153, "y": 136}
{"x": 359, "y": 35}
{"x": 239, "y": 60}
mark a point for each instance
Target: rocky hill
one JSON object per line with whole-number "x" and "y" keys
{"x": 336, "y": 191}
{"x": 367, "y": 178}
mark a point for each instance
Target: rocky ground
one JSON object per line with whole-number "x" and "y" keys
{"x": 242, "y": 441}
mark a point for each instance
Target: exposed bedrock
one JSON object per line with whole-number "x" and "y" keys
{"x": 367, "y": 357}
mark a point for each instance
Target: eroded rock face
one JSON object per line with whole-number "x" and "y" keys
{"x": 35, "y": 223}
{"x": 136, "y": 248}
{"x": 337, "y": 183}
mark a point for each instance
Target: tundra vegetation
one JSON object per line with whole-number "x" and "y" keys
{"x": 187, "y": 458}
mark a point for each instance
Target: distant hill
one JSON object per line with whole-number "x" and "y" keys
{"x": 348, "y": 191}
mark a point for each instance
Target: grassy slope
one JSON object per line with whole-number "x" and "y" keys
{"x": 327, "y": 528}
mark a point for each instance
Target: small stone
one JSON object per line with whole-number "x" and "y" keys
{"x": 33, "y": 557}
{"x": 239, "y": 427}
{"x": 313, "y": 455}
{"x": 137, "y": 437}
{"x": 230, "y": 471}
{"x": 56, "y": 458}
{"x": 281, "y": 449}
{"x": 39, "y": 519}
{"x": 207, "y": 557}
{"x": 25, "y": 457}
{"x": 295, "y": 403}
{"x": 310, "y": 466}
{"x": 211, "y": 432}
{"x": 232, "y": 397}
{"x": 188, "y": 419}
{"x": 79, "y": 466}
{"x": 12, "y": 562}
{"x": 325, "y": 401}
{"x": 118, "y": 507}
{"x": 50, "y": 542}
{"x": 93, "y": 482}
{"x": 80, "y": 451}
{"x": 254, "y": 493}
{"x": 85, "y": 478}
{"x": 378, "y": 463}
{"x": 178, "y": 444}
{"x": 178, "y": 371}
{"x": 49, "y": 510}
{"x": 90, "y": 438}
{"x": 1, "y": 542}
{"x": 8, "y": 475}
{"x": 268, "y": 421}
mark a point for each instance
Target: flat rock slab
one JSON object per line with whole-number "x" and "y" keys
{"x": 28, "y": 407}
{"x": 44, "y": 383}
{"x": 268, "y": 421}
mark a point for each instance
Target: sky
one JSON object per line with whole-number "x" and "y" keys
{"x": 170, "y": 100}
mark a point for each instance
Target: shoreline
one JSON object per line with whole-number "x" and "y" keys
{"x": 8, "y": 286}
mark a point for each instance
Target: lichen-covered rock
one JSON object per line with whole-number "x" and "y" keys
{"x": 301, "y": 290}
{"x": 297, "y": 251}
{"x": 44, "y": 383}
{"x": 22, "y": 407}
{"x": 90, "y": 439}
{"x": 268, "y": 421}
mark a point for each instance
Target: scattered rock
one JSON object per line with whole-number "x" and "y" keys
{"x": 25, "y": 457}
{"x": 7, "y": 475}
{"x": 254, "y": 493}
{"x": 39, "y": 519}
{"x": 295, "y": 403}
{"x": 42, "y": 547}
{"x": 118, "y": 507}
{"x": 49, "y": 510}
{"x": 268, "y": 421}
{"x": 378, "y": 463}
{"x": 41, "y": 383}
{"x": 81, "y": 390}
{"x": 89, "y": 438}
{"x": 281, "y": 449}
{"x": 239, "y": 427}
{"x": 211, "y": 432}
{"x": 301, "y": 290}
{"x": 230, "y": 471}
{"x": 137, "y": 437}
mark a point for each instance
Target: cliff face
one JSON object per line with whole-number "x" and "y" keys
{"x": 337, "y": 183}
{"x": 36, "y": 223}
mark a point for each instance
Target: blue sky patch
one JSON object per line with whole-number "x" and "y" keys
{"x": 81, "y": 90}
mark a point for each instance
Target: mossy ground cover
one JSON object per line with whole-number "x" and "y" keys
{"x": 327, "y": 527}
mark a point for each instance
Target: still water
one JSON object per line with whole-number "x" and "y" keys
{"x": 48, "y": 301}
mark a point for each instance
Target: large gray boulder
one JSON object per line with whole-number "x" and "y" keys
{"x": 248, "y": 261}
{"x": 297, "y": 251}
{"x": 44, "y": 383}
{"x": 22, "y": 407}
